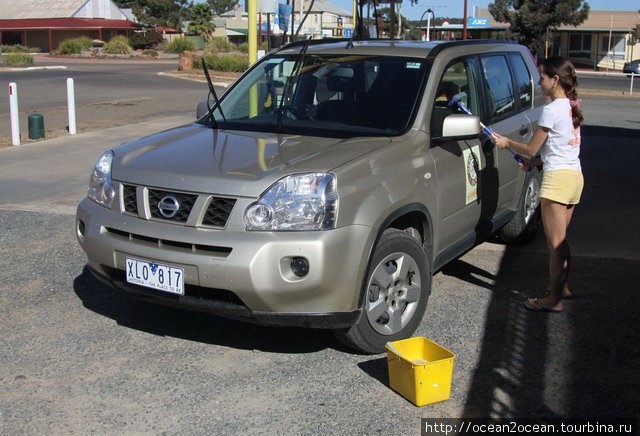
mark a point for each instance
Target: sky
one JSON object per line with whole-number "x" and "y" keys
{"x": 455, "y": 8}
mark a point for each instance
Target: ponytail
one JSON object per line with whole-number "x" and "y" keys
{"x": 561, "y": 67}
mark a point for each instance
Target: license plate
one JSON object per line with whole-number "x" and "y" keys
{"x": 154, "y": 275}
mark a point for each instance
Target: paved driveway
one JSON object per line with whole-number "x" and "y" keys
{"x": 79, "y": 357}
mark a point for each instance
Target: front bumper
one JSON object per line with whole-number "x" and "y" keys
{"x": 235, "y": 273}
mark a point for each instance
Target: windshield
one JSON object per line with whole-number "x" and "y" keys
{"x": 326, "y": 95}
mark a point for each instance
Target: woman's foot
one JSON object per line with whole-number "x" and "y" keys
{"x": 542, "y": 305}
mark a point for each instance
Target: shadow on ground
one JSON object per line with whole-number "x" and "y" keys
{"x": 130, "y": 312}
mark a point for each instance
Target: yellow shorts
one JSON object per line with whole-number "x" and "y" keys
{"x": 562, "y": 186}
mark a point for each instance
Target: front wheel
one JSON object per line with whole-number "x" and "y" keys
{"x": 396, "y": 292}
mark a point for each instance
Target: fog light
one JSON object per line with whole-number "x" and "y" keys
{"x": 81, "y": 228}
{"x": 300, "y": 266}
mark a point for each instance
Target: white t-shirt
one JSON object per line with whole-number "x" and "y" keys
{"x": 561, "y": 150}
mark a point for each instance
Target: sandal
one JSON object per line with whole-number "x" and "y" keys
{"x": 539, "y": 307}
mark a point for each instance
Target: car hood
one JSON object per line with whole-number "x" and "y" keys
{"x": 196, "y": 158}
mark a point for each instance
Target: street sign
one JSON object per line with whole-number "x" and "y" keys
{"x": 347, "y": 33}
{"x": 477, "y": 22}
{"x": 336, "y": 32}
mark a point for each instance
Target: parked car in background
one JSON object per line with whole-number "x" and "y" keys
{"x": 325, "y": 189}
{"x": 632, "y": 67}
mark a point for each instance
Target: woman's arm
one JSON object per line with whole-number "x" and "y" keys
{"x": 531, "y": 149}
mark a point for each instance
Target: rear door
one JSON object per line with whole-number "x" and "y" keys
{"x": 505, "y": 111}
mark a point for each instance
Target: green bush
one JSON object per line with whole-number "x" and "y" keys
{"x": 163, "y": 45}
{"x": 228, "y": 63}
{"x": 145, "y": 40}
{"x": 118, "y": 45}
{"x": 75, "y": 45}
{"x": 244, "y": 47}
{"x": 179, "y": 45}
{"x": 13, "y": 48}
{"x": 19, "y": 59}
{"x": 219, "y": 45}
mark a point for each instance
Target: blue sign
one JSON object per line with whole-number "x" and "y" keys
{"x": 477, "y": 22}
{"x": 284, "y": 15}
{"x": 347, "y": 32}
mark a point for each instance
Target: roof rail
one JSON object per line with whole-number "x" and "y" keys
{"x": 438, "y": 48}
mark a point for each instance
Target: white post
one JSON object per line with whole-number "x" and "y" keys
{"x": 631, "y": 86}
{"x": 71, "y": 106}
{"x": 13, "y": 108}
{"x": 428, "y": 24}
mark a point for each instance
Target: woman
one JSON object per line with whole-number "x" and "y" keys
{"x": 558, "y": 140}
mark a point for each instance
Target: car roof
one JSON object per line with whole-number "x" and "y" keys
{"x": 388, "y": 47}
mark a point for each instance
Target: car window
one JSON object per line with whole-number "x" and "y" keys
{"x": 459, "y": 82}
{"x": 326, "y": 95}
{"x": 499, "y": 86}
{"x": 524, "y": 87}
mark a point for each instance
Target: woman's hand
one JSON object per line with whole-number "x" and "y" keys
{"x": 500, "y": 141}
{"x": 527, "y": 164}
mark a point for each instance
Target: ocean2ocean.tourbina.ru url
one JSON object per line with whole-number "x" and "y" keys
{"x": 571, "y": 426}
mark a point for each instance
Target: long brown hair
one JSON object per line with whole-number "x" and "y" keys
{"x": 561, "y": 67}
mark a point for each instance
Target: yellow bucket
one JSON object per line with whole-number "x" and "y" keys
{"x": 420, "y": 370}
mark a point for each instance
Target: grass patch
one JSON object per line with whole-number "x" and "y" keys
{"x": 118, "y": 45}
{"x": 182, "y": 44}
{"x": 75, "y": 45}
{"x": 219, "y": 45}
{"x": 230, "y": 63}
{"x": 19, "y": 49}
{"x": 19, "y": 59}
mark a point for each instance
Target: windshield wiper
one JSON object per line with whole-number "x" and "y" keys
{"x": 212, "y": 90}
{"x": 286, "y": 92}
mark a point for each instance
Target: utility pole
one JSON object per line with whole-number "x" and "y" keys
{"x": 464, "y": 25}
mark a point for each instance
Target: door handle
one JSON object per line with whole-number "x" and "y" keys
{"x": 487, "y": 145}
{"x": 524, "y": 129}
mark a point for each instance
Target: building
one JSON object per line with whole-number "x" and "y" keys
{"x": 607, "y": 39}
{"x": 323, "y": 18}
{"x": 45, "y": 23}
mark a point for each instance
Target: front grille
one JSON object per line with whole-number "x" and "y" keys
{"x": 185, "y": 202}
{"x": 210, "y": 250}
{"x": 218, "y": 212}
{"x": 130, "y": 198}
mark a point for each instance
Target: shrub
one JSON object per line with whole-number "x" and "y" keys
{"x": 145, "y": 40}
{"x": 219, "y": 45}
{"x": 244, "y": 47}
{"x": 228, "y": 63}
{"x": 163, "y": 45}
{"x": 179, "y": 45}
{"x": 13, "y": 48}
{"x": 118, "y": 45}
{"x": 75, "y": 45}
{"x": 18, "y": 59}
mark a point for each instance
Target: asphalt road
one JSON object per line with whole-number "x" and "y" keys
{"x": 78, "y": 357}
{"x": 106, "y": 93}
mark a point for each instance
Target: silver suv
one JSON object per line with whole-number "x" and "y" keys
{"x": 324, "y": 188}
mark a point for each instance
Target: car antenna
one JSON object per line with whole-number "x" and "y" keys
{"x": 212, "y": 90}
{"x": 289, "y": 85}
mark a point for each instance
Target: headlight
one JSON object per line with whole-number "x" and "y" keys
{"x": 300, "y": 202}
{"x": 100, "y": 187}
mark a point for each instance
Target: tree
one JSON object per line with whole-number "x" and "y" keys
{"x": 390, "y": 20}
{"x": 219, "y": 7}
{"x": 200, "y": 16}
{"x": 168, "y": 13}
{"x": 124, "y": 3}
{"x": 529, "y": 20}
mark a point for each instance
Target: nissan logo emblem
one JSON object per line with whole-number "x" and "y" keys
{"x": 168, "y": 206}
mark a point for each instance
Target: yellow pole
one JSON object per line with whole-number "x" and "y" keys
{"x": 355, "y": 14}
{"x": 253, "y": 54}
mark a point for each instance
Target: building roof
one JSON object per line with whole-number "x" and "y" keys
{"x": 23, "y": 9}
{"x": 318, "y": 6}
{"x": 67, "y": 23}
{"x": 597, "y": 21}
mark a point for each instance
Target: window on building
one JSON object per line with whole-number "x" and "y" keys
{"x": 617, "y": 50}
{"x": 580, "y": 45}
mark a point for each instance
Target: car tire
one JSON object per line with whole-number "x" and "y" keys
{"x": 524, "y": 225}
{"x": 396, "y": 291}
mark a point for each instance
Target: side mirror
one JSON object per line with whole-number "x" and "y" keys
{"x": 201, "y": 109}
{"x": 461, "y": 126}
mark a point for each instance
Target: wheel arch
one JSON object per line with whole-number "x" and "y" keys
{"x": 414, "y": 215}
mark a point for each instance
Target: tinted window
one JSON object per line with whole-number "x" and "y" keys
{"x": 499, "y": 86}
{"x": 459, "y": 82}
{"x": 523, "y": 80}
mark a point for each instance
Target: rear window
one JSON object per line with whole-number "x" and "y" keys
{"x": 524, "y": 86}
{"x": 497, "y": 76}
